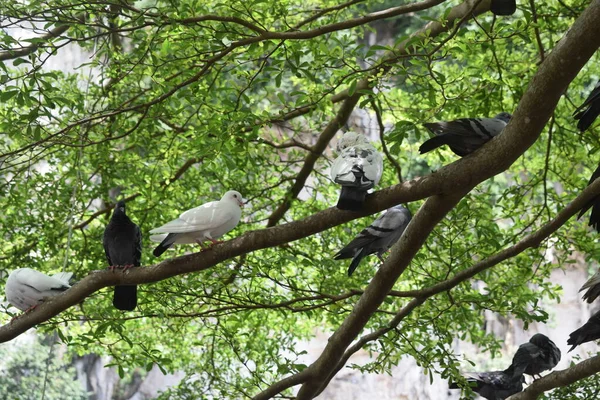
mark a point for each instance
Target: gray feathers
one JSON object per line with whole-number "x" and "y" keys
{"x": 537, "y": 355}
{"x": 26, "y": 288}
{"x": 588, "y": 332}
{"x": 495, "y": 385}
{"x": 122, "y": 242}
{"x": 377, "y": 237}
{"x": 464, "y": 135}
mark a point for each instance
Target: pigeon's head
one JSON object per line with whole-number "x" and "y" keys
{"x": 120, "y": 207}
{"x": 351, "y": 139}
{"x": 504, "y": 117}
{"x": 541, "y": 341}
{"x": 234, "y": 197}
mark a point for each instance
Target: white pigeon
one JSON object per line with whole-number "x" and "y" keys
{"x": 357, "y": 168}
{"x": 464, "y": 135}
{"x": 210, "y": 221}
{"x": 26, "y": 287}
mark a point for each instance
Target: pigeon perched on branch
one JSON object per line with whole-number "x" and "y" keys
{"x": 357, "y": 169}
{"x": 588, "y": 332}
{"x": 464, "y": 135}
{"x": 503, "y": 7}
{"x": 589, "y": 110}
{"x": 537, "y": 355}
{"x": 122, "y": 242}
{"x": 209, "y": 222}
{"x": 377, "y": 237}
{"x": 594, "y": 204}
{"x": 26, "y": 287}
{"x": 495, "y": 385}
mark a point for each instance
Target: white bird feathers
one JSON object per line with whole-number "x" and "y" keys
{"x": 209, "y": 222}
{"x": 357, "y": 168}
{"x": 26, "y": 287}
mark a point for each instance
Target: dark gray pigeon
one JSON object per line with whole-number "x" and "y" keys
{"x": 589, "y": 110}
{"x": 594, "y": 204}
{"x": 464, "y": 135}
{"x": 357, "y": 169}
{"x": 534, "y": 357}
{"x": 123, "y": 247}
{"x": 593, "y": 286}
{"x": 503, "y": 7}
{"x": 495, "y": 385}
{"x": 588, "y": 332}
{"x": 377, "y": 237}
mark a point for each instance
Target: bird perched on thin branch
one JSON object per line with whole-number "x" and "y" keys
{"x": 357, "y": 169}
{"x": 122, "y": 242}
{"x": 503, "y": 7}
{"x": 536, "y": 356}
{"x": 377, "y": 237}
{"x": 588, "y": 332}
{"x": 464, "y": 135}
{"x": 26, "y": 288}
{"x": 589, "y": 110}
{"x": 594, "y": 204}
{"x": 495, "y": 385}
{"x": 207, "y": 222}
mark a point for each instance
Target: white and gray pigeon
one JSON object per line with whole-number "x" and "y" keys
{"x": 503, "y": 7}
{"x": 589, "y": 110}
{"x": 209, "y": 222}
{"x": 377, "y": 237}
{"x": 357, "y": 169}
{"x": 495, "y": 385}
{"x": 536, "y": 356}
{"x": 26, "y": 287}
{"x": 464, "y": 135}
{"x": 122, "y": 242}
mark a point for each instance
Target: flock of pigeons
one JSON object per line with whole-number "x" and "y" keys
{"x": 358, "y": 169}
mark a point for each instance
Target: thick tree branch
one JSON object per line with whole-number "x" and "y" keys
{"x": 560, "y": 378}
{"x": 52, "y": 34}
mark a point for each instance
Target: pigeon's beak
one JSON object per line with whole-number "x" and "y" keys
{"x": 241, "y": 203}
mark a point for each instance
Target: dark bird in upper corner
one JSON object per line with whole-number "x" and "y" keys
{"x": 588, "y": 332}
{"x": 594, "y": 204}
{"x": 495, "y": 385}
{"x": 464, "y": 135}
{"x": 503, "y": 7}
{"x": 593, "y": 286}
{"x": 377, "y": 237}
{"x": 589, "y": 110}
{"x": 357, "y": 169}
{"x": 534, "y": 357}
{"x": 123, "y": 247}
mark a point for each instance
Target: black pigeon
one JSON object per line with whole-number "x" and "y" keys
{"x": 495, "y": 385}
{"x": 123, "y": 247}
{"x": 588, "y": 332}
{"x": 534, "y": 357}
{"x": 593, "y": 287}
{"x": 589, "y": 110}
{"x": 594, "y": 204}
{"x": 464, "y": 135}
{"x": 377, "y": 237}
{"x": 503, "y": 7}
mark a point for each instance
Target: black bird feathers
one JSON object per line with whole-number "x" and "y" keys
{"x": 503, "y": 7}
{"x": 537, "y": 355}
{"x": 594, "y": 204}
{"x": 123, "y": 247}
{"x": 589, "y": 110}
{"x": 588, "y": 332}
{"x": 495, "y": 385}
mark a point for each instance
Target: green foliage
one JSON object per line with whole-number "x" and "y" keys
{"x": 172, "y": 90}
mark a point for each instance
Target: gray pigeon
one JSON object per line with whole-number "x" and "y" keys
{"x": 588, "y": 332}
{"x": 123, "y": 247}
{"x": 589, "y": 110}
{"x": 503, "y": 7}
{"x": 594, "y": 204}
{"x": 593, "y": 286}
{"x": 464, "y": 135}
{"x": 495, "y": 385}
{"x": 534, "y": 357}
{"x": 377, "y": 237}
{"x": 357, "y": 169}
{"x": 26, "y": 288}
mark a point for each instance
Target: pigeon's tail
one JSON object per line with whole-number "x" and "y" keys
{"x": 593, "y": 286}
{"x": 588, "y": 332}
{"x": 64, "y": 277}
{"x": 434, "y": 142}
{"x": 351, "y": 199}
{"x": 355, "y": 261}
{"x": 587, "y": 117}
{"x": 125, "y": 297}
{"x": 165, "y": 244}
{"x": 503, "y": 7}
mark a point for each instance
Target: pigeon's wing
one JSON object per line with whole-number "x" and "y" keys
{"x": 595, "y": 216}
{"x": 588, "y": 332}
{"x": 593, "y": 96}
{"x": 589, "y": 110}
{"x": 372, "y": 164}
{"x": 593, "y": 286}
{"x": 106, "y": 242}
{"x": 205, "y": 217}
{"x": 528, "y": 354}
{"x": 340, "y": 167}
{"x": 359, "y": 166}
{"x": 137, "y": 255}
{"x": 397, "y": 219}
{"x": 41, "y": 282}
